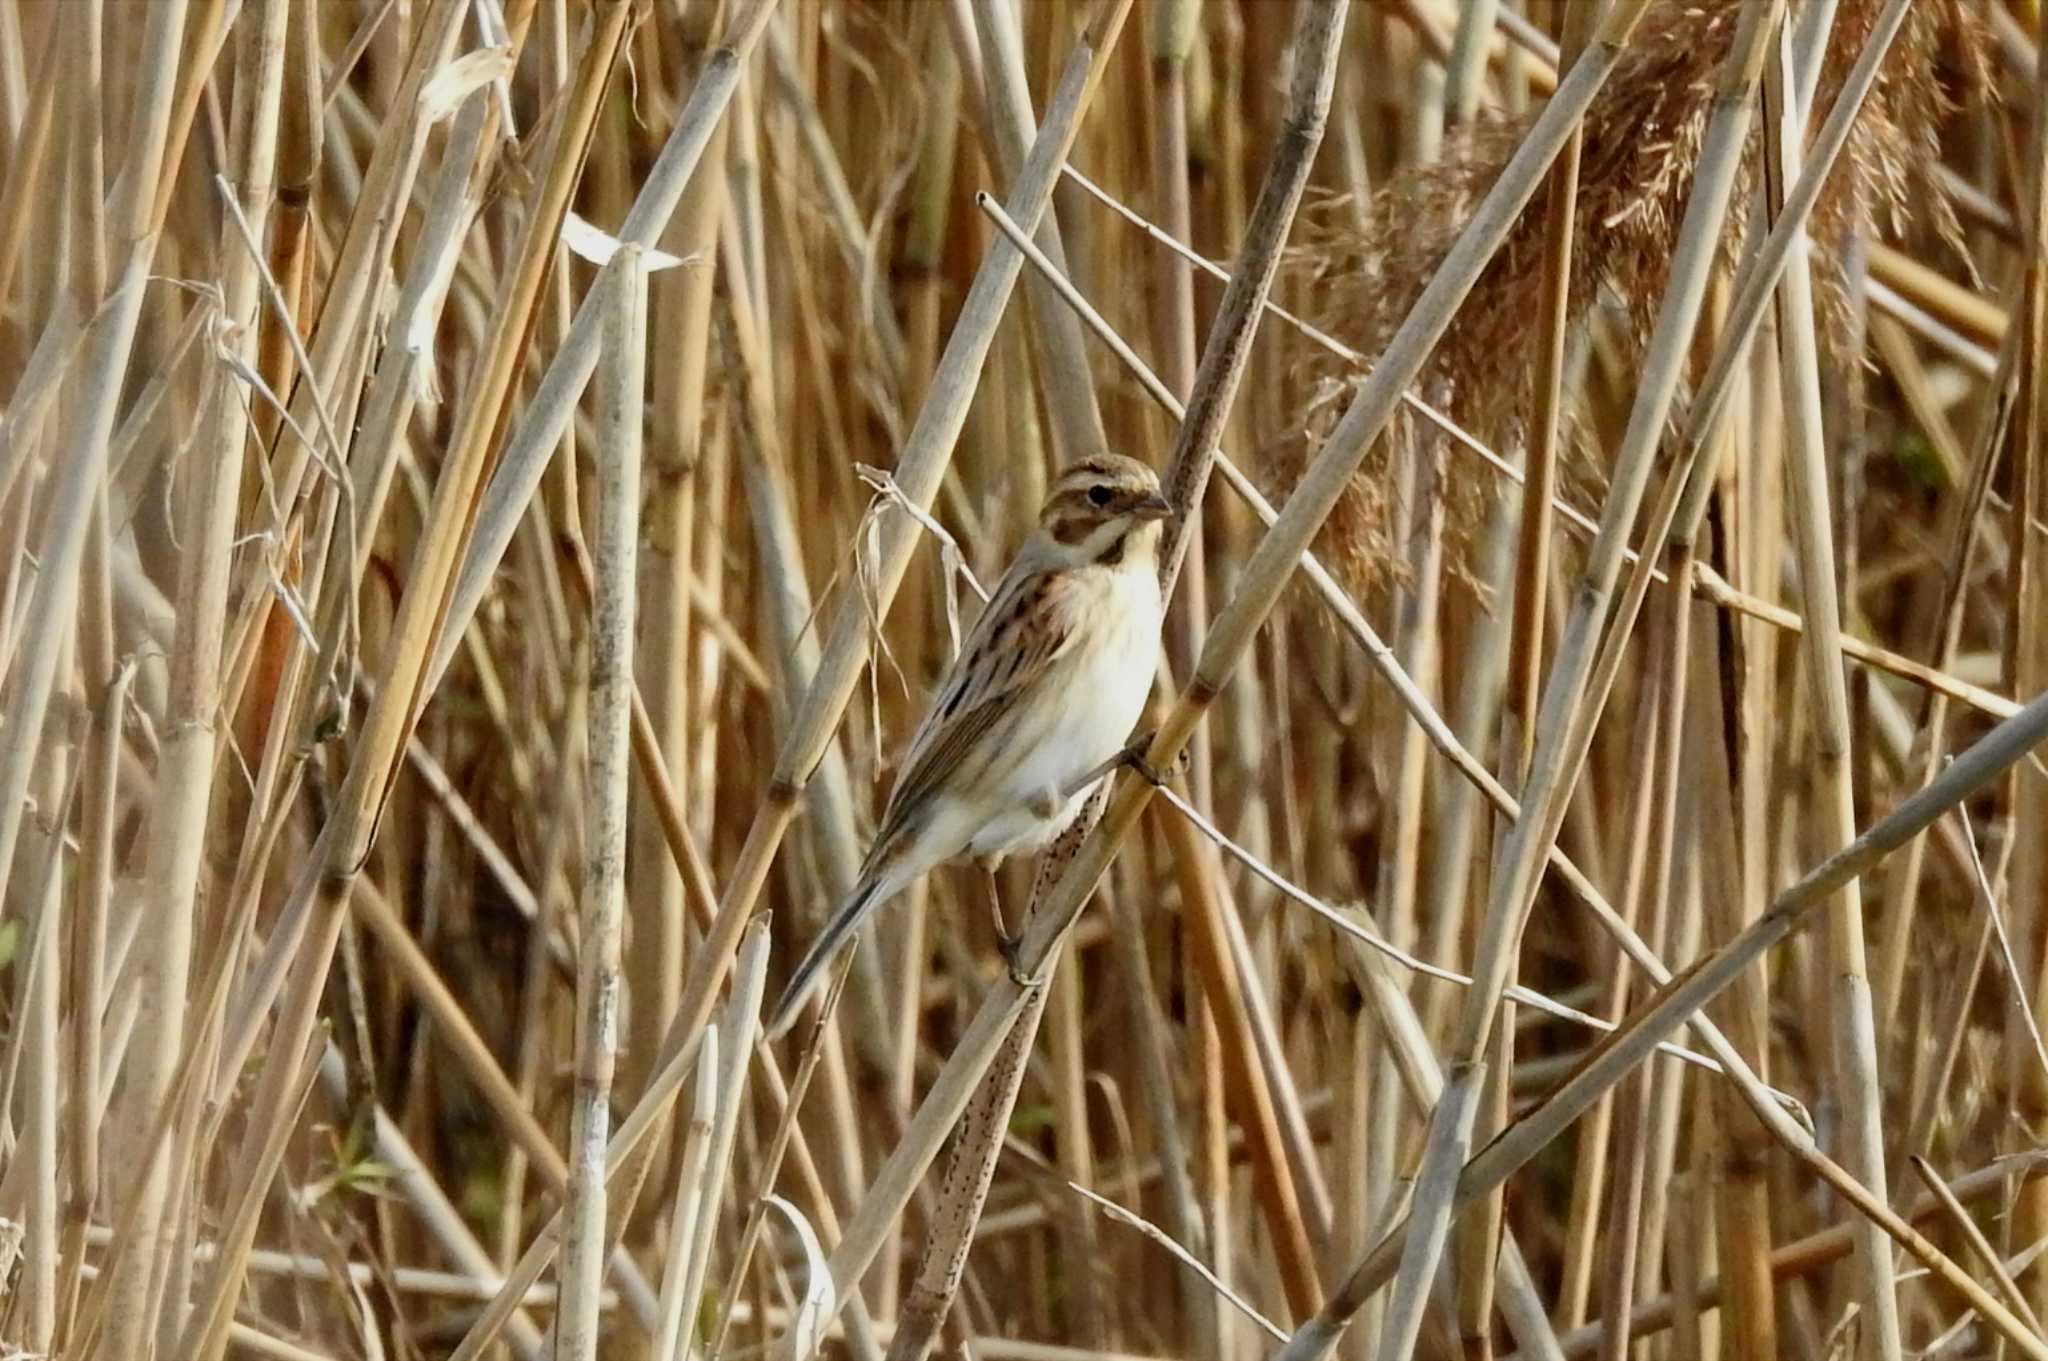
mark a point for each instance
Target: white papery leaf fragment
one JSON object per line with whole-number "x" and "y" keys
{"x": 595, "y": 244}
{"x": 819, "y": 1303}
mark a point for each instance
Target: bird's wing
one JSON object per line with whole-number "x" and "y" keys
{"x": 1027, "y": 626}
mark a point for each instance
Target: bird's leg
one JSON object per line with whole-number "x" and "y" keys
{"x": 1005, "y": 942}
{"x": 1010, "y": 946}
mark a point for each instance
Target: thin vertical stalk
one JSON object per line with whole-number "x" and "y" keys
{"x": 37, "y": 1048}
{"x": 742, "y": 1026}
{"x": 1855, "y": 1039}
{"x": 1546, "y": 425}
{"x": 1062, "y": 358}
{"x": 1087, "y": 1313}
{"x": 25, "y": 163}
{"x": 2026, "y": 659}
{"x": 1152, "y": 1053}
{"x": 1742, "y": 1195}
{"x": 1465, "y": 68}
{"x": 1633, "y": 1110}
{"x": 682, "y": 301}
{"x": 84, "y": 460}
{"x": 615, "y": 563}
{"x": 88, "y": 945}
{"x": 1176, "y": 26}
{"x": 78, "y": 469}
{"x": 690, "y": 1198}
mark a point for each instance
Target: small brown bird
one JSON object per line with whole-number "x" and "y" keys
{"x": 1045, "y": 690}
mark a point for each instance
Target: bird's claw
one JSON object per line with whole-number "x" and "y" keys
{"x": 1012, "y": 949}
{"x": 1134, "y": 757}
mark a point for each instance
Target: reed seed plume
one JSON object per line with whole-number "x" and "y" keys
{"x": 1641, "y": 141}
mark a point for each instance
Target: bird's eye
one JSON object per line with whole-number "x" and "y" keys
{"x": 1098, "y": 495}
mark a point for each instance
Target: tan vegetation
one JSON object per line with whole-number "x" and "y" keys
{"x": 486, "y": 486}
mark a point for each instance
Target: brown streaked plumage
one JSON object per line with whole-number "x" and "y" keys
{"x": 1047, "y": 686}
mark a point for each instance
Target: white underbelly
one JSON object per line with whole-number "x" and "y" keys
{"x": 1106, "y": 693}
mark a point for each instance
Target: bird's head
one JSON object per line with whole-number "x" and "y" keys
{"x": 1105, "y": 509}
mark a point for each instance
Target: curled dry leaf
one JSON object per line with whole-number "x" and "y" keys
{"x": 819, "y": 1301}
{"x": 445, "y": 90}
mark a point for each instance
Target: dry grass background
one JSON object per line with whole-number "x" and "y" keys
{"x": 447, "y": 677}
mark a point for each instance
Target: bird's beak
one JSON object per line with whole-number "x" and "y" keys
{"x": 1153, "y": 507}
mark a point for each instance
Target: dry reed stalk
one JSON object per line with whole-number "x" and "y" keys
{"x": 87, "y": 946}
{"x": 25, "y": 162}
{"x": 1855, "y": 1040}
{"x": 33, "y": 1059}
{"x": 1533, "y": 569}
{"x": 681, "y": 301}
{"x": 749, "y": 974}
{"x": 76, "y": 474}
{"x": 1176, "y": 25}
{"x": 1665, "y": 701}
{"x": 690, "y": 1197}
{"x": 1975, "y": 316}
{"x": 743, "y": 1024}
{"x": 2025, "y": 660}
{"x": 615, "y": 563}
{"x": 1742, "y": 1210}
{"x": 1070, "y": 390}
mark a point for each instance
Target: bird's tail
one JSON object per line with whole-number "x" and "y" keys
{"x": 866, "y": 896}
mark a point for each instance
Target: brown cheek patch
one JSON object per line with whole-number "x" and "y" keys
{"x": 1071, "y": 529}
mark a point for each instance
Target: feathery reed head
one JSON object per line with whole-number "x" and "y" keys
{"x": 1642, "y": 140}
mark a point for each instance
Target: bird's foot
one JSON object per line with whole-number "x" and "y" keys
{"x": 1012, "y": 950}
{"x": 1134, "y": 757}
